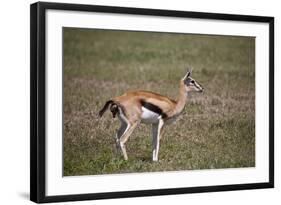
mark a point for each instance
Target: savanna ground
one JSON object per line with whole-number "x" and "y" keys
{"x": 216, "y": 128}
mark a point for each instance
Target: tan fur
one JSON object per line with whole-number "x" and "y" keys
{"x": 132, "y": 106}
{"x": 130, "y": 101}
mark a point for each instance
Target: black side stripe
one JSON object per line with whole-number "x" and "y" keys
{"x": 153, "y": 108}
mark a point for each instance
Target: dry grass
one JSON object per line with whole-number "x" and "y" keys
{"x": 216, "y": 129}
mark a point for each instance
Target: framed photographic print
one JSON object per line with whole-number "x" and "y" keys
{"x": 129, "y": 102}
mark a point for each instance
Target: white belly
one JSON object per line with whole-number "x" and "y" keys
{"x": 148, "y": 116}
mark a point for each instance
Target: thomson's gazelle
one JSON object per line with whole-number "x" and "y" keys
{"x": 134, "y": 107}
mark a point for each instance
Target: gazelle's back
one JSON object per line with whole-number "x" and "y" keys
{"x": 137, "y": 96}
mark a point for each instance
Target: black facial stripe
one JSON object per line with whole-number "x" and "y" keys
{"x": 153, "y": 108}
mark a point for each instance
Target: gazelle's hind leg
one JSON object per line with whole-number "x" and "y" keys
{"x": 123, "y": 139}
{"x": 120, "y": 132}
{"x": 124, "y": 132}
{"x": 156, "y": 135}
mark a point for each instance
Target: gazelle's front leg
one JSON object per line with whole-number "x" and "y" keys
{"x": 156, "y": 132}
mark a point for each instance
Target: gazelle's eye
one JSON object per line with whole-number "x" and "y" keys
{"x": 192, "y": 81}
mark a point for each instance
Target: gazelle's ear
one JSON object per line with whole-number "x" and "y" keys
{"x": 186, "y": 76}
{"x": 188, "y": 73}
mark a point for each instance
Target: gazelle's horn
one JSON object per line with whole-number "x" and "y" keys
{"x": 188, "y": 73}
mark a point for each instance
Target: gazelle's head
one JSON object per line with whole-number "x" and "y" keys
{"x": 191, "y": 84}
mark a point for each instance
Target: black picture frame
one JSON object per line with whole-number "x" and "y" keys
{"x": 38, "y": 101}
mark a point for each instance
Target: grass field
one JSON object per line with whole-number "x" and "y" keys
{"x": 216, "y": 129}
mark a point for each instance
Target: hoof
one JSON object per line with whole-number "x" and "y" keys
{"x": 154, "y": 159}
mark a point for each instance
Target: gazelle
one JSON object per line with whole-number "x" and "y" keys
{"x": 147, "y": 107}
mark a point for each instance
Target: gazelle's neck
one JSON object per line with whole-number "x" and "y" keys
{"x": 181, "y": 100}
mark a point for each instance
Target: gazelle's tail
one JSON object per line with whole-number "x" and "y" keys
{"x": 105, "y": 107}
